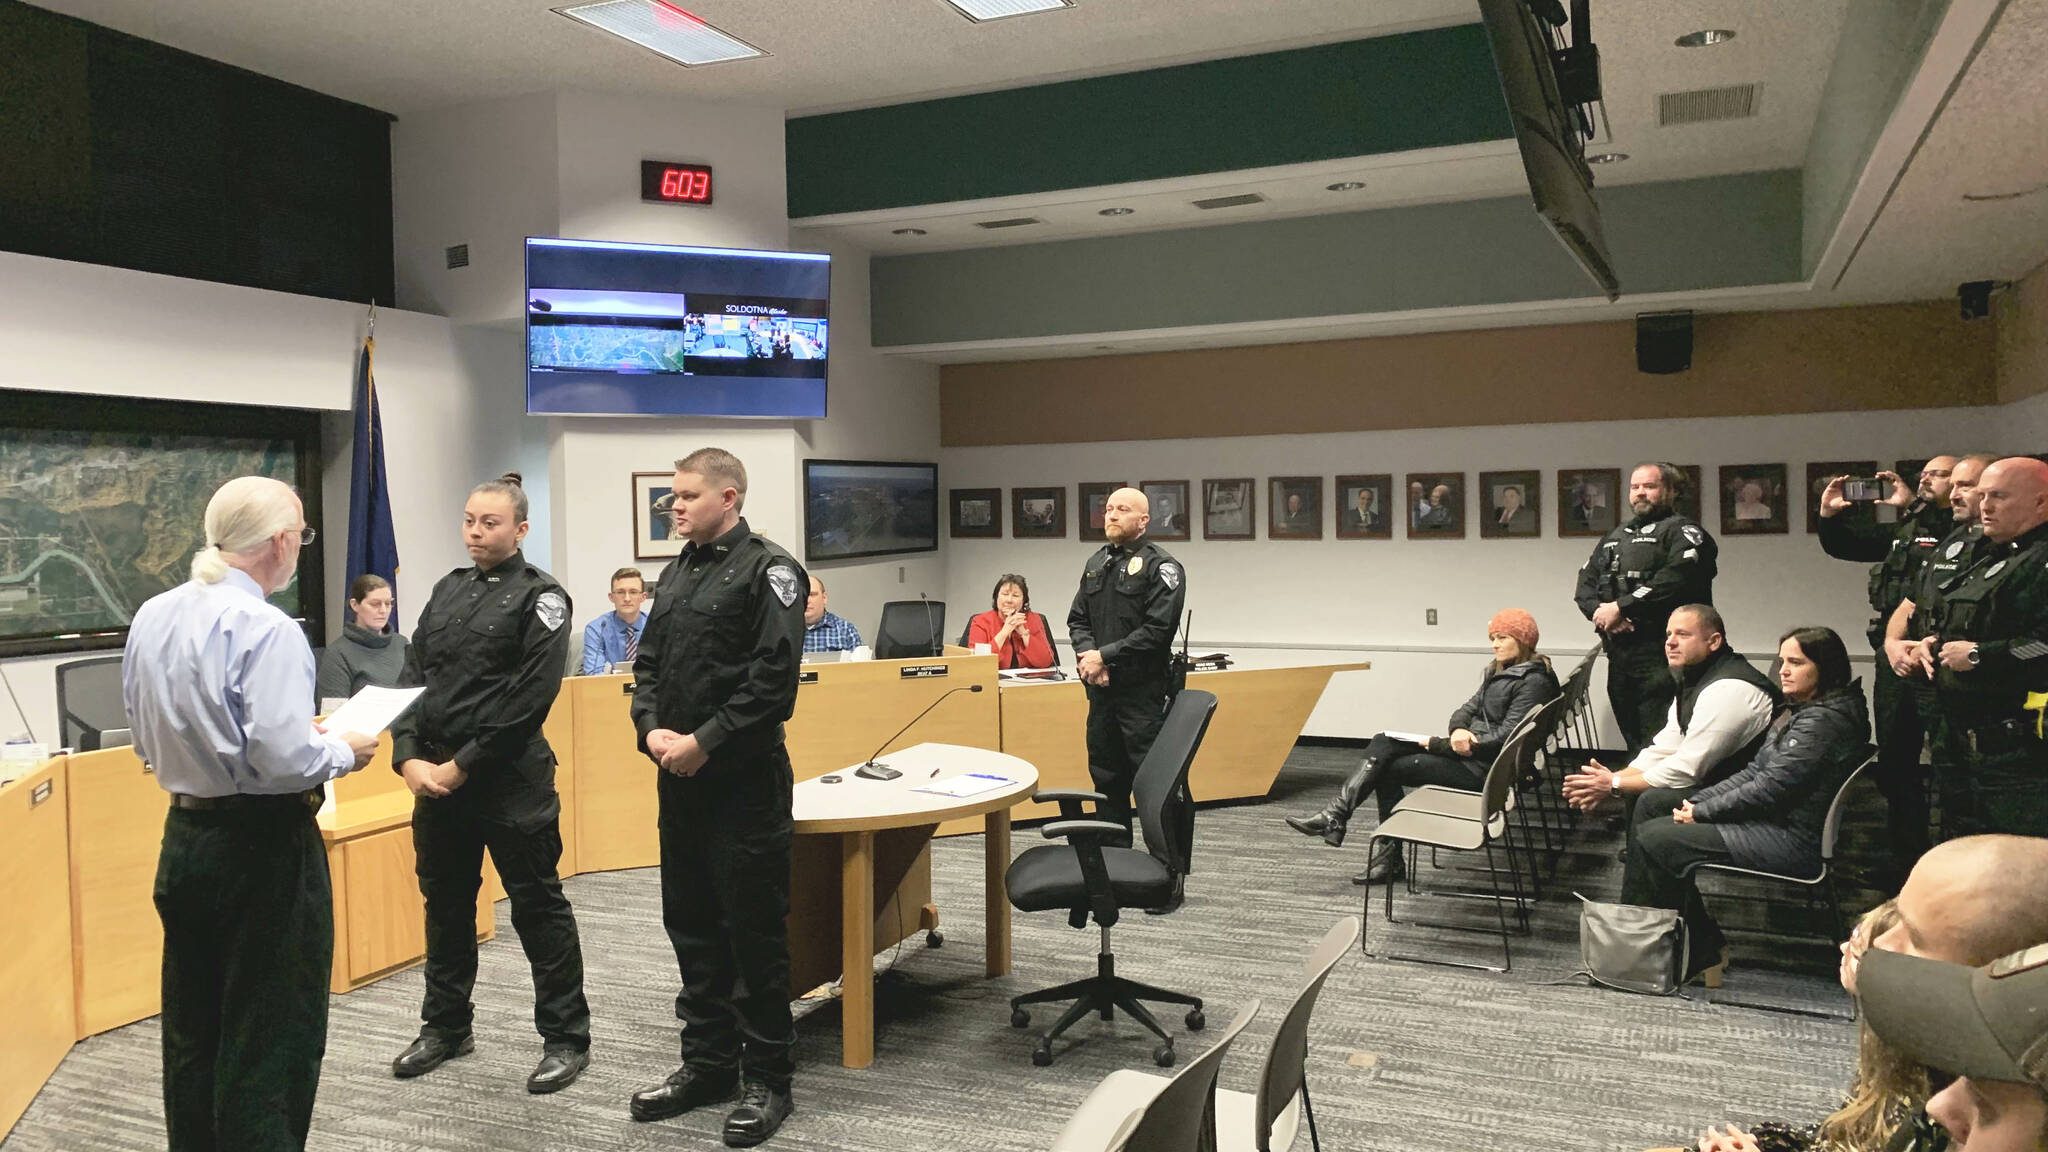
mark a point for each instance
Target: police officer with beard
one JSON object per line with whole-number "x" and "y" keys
{"x": 715, "y": 678}
{"x": 1897, "y": 554}
{"x": 1638, "y": 574}
{"x": 490, "y": 649}
{"x": 1988, "y": 658}
{"x": 1121, "y": 626}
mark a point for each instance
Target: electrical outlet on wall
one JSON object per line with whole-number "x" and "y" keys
{"x": 899, "y": 573}
{"x": 1429, "y": 617}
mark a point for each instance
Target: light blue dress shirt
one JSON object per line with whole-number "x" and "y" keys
{"x": 604, "y": 641}
{"x": 219, "y": 688}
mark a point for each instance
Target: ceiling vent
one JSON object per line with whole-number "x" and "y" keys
{"x": 458, "y": 256}
{"x": 1230, "y": 201}
{"x": 1703, "y": 105}
{"x": 1012, "y": 222}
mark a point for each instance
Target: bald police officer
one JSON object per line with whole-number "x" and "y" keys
{"x": 1121, "y": 626}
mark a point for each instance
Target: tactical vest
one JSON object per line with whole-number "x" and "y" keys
{"x": 1972, "y": 607}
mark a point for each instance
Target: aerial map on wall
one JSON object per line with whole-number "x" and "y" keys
{"x": 94, "y": 523}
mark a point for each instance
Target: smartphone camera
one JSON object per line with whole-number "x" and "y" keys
{"x": 1863, "y": 489}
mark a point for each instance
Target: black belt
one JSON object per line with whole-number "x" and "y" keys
{"x": 2001, "y": 736}
{"x": 312, "y": 798}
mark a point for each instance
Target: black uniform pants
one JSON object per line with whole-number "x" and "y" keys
{"x": 449, "y": 836}
{"x": 1662, "y": 856}
{"x": 1639, "y": 688}
{"x": 1901, "y": 776}
{"x": 2001, "y": 785}
{"x": 725, "y": 837}
{"x": 1123, "y": 721}
{"x": 248, "y": 944}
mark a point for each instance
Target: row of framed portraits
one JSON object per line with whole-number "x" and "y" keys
{"x": 1754, "y": 501}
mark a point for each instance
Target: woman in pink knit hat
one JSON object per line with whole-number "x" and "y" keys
{"x": 1516, "y": 683}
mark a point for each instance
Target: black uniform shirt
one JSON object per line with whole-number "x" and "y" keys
{"x": 720, "y": 655}
{"x": 1897, "y": 552}
{"x": 1128, "y": 606}
{"x": 2001, "y": 603}
{"x": 1650, "y": 566}
{"x": 490, "y": 649}
{"x": 1957, "y": 551}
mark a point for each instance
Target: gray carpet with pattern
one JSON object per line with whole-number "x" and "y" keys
{"x": 1403, "y": 1056}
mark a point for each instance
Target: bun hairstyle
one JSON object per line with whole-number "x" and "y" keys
{"x": 511, "y": 487}
{"x": 242, "y": 516}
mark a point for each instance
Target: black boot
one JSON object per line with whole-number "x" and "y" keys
{"x": 1329, "y": 824}
{"x": 1384, "y": 866}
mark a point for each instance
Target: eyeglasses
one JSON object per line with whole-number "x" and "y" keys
{"x": 308, "y": 535}
{"x": 1937, "y": 473}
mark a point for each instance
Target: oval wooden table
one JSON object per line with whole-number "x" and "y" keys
{"x": 857, "y": 810}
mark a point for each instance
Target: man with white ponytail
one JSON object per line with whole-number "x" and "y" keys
{"x": 219, "y": 688}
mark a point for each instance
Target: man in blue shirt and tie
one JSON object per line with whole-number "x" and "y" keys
{"x": 824, "y": 632}
{"x": 614, "y": 638}
{"x": 219, "y": 688}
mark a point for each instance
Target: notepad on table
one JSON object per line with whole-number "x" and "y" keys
{"x": 965, "y": 784}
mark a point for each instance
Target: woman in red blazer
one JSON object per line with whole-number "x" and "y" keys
{"x": 1015, "y": 633}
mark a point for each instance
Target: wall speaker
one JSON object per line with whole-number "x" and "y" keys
{"x": 1663, "y": 342}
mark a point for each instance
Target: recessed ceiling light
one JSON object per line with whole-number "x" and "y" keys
{"x": 662, "y": 27}
{"x": 981, "y": 11}
{"x": 1706, "y": 37}
{"x": 1345, "y": 186}
{"x": 1116, "y": 211}
{"x": 907, "y": 232}
{"x": 1607, "y": 158}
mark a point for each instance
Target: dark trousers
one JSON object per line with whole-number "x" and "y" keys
{"x": 1391, "y": 767}
{"x": 1639, "y": 689}
{"x": 449, "y": 837}
{"x": 1123, "y": 721}
{"x": 1901, "y": 776}
{"x": 248, "y": 945}
{"x": 725, "y": 837}
{"x": 1662, "y": 856}
{"x": 2000, "y": 785}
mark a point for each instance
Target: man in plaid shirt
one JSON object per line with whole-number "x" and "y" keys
{"x": 824, "y": 632}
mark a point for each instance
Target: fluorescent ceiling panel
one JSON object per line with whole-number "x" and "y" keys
{"x": 982, "y": 10}
{"x": 662, "y": 27}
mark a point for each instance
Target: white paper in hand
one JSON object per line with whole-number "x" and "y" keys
{"x": 371, "y": 711}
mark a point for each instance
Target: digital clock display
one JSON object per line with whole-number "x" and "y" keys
{"x": 669, "y": 183}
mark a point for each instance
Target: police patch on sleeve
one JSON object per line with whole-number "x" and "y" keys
{"x": 782, "y": 578}
{"x": 552, "y": 609}
{"x": 1170, "y": 573}
{"x": 1694, "y": 535}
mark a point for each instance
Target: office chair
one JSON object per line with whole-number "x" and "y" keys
{"x": 89, "y": 701}
{"x": 1089, "y": 874}
{"x": 910, "y": 629}
{"x": 1139, "y": 1112}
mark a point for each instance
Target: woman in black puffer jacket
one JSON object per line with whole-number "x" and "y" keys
{"x": 1517, "y": 682}
{"x": 1768, "y": 816}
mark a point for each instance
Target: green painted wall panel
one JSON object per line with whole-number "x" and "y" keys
{"x": 1365, "y": 97}
{"x": 1720, "y": 232}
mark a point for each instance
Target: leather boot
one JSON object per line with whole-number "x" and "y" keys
{"x": 1384, "y": 866}
{"x": 762, "y": 1110}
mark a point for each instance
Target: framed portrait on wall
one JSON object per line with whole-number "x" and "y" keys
{"x": 1687, "y": 502}
{"x": 1294, "y": 508}
{"x": 1170, "y": 509}
{"x": 1229, "y": 509}
{"x": 1510, "y": 505}
{"x": 1094, "y": 497}
{"x": 1819, "y": 472}
{"x": 977, "y": 513}
{"x": 1435, "y": 509}
{"x": 1588, "y": 501}
{"x": 1038, "y": 513}
{"x": 1365, "y": 505}
{"x": 654, "y": 534}
{"x": 1753, "y": 500}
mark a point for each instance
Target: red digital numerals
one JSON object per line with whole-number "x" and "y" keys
{"x": 689, "y": 184}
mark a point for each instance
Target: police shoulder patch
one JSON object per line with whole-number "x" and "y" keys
{"x": 782, "y": 579}
{"x": 552, "y": 608}
{"x": 1169, "y": 572}
{"x": 1693, "y": 534}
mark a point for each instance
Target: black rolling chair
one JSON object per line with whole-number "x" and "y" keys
{"x": 1088, "y": 874}
{"x": 89, "y": 701}
{"x": 910, "y": 629}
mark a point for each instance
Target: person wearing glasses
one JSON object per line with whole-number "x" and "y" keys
{"x": 368, "y": 651}
{"x": 218, "y": 684}
{"x": 613, "y": 639}
{"x": 490, "y": 649}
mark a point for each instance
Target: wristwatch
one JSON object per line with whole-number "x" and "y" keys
{"x": 1973, "y": 656}
{"x": 1614, "y": 783}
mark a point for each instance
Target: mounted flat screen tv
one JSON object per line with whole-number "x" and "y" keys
{"x": 1550, "y": 131}
{"x": 615, "y": 329}
{"x": 869, "y": 508}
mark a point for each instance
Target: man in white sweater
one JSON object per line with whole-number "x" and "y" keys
{"x": 1714, "y": 726}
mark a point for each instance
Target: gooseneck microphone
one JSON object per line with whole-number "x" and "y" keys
{"x": 873, "y": 771}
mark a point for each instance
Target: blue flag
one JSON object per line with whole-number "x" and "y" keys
{"x": 372, "y": 544}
